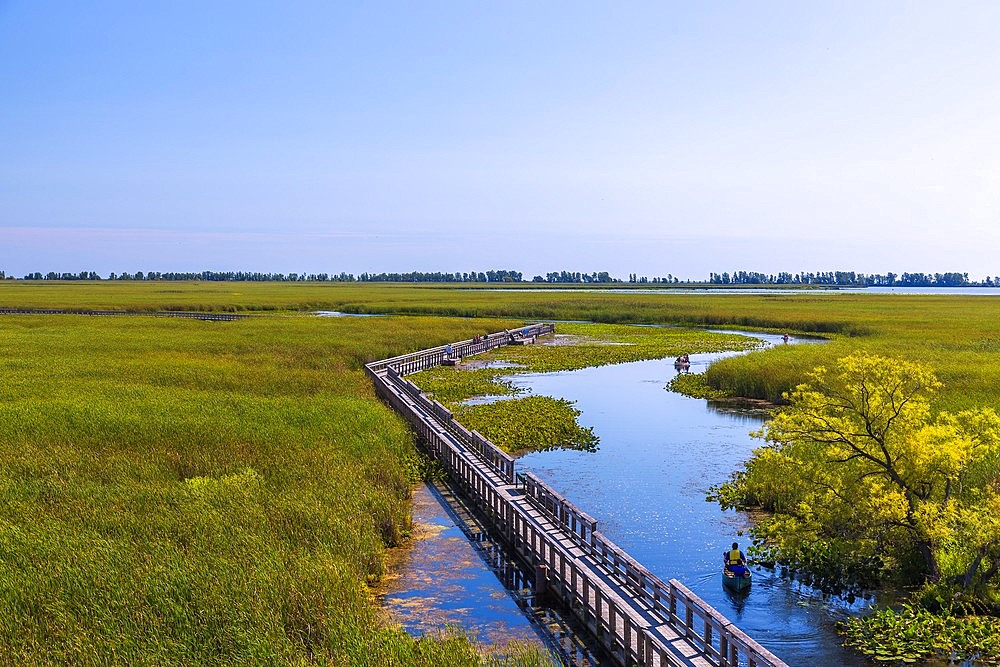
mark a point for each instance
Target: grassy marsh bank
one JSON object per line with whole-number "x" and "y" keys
{"x": 183, "y": 492}
{"x": 127, "y": 442}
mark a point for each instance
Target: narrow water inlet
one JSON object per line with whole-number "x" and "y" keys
{"x": 660, "y": 452}
{"x": 441, "y": 579}
{"x": 454, "y": 575}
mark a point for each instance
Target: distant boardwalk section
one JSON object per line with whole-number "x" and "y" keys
{"x": 639, "y": 618}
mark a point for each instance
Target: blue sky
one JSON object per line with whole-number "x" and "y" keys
{"x": 654, "y": 138}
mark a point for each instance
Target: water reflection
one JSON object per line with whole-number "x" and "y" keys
{"x": 455, "y": 574}
{"x": 646, "y": 485}
{"x": 469, "y": 597}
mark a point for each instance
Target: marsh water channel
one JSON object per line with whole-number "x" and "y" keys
{"x": 646, "y": 486}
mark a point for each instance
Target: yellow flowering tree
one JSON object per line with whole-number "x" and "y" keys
{"x": 858, "y": 456}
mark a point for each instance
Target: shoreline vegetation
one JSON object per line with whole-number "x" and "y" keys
{"x": 180, "y": 492}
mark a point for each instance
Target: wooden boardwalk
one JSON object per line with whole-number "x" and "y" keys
{"x": 640, "y": 619}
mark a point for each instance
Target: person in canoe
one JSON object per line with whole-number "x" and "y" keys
{"x": 735, "y": 561}
{"x": 735, "y": 574}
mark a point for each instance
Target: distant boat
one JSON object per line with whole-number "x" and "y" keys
{"x": 736, "y": 582}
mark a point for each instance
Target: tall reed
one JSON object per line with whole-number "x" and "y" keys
{"x": 184, "y": 492}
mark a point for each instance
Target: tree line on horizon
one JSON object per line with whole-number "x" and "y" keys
{"x": 822, "y": 278}
{"x": 852, "y": 279}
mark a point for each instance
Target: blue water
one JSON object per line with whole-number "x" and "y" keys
{"x": 454, "y": 575}
{"x": 444, "y": 579}
{"x": 646, "y": 485}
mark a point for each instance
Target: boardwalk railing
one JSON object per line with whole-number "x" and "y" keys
{"x": 424, "y": 359}
{"x": 577, "y": 522}
{"x": 640, "y": 619}
{"x": 496, "y": 458}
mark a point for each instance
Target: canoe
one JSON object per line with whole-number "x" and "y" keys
{"x": 735, "y": 583}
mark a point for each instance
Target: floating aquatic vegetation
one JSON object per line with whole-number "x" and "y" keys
{"x": 453, "y": 384}
{"x": 532, "y": 423}
{"x": 913, "y": 634}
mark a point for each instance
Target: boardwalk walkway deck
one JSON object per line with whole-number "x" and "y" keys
{"x": 639, "y": 618}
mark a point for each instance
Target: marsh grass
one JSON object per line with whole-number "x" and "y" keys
{"x": 959, "y": 336}
{"x": 183, "y": 492}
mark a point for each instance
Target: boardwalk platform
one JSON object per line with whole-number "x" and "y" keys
{"x": 640, "y": 619}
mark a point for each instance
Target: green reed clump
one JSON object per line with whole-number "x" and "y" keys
{"x": 768, "y": 374}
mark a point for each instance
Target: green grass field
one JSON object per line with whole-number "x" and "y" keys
{"x": 187, "y": 492}
{"x": 958, "y": 336}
